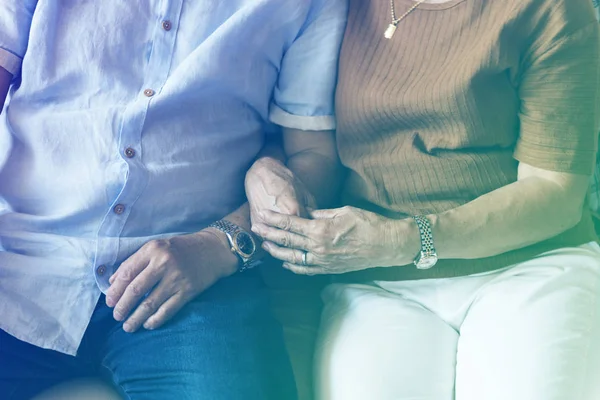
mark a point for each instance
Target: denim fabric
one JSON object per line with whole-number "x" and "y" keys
{"x": 222, "y": 346}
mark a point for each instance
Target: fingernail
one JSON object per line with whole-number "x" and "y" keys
{"x": 127, "y": 328}
{"x": 148, "y": 325}
{"x": 117, "y": 316}
{"x": 265, "y": 245}
{"x": 111, "y": 279}
{"x": 110, "y": 302}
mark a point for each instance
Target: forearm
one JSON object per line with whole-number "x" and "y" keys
{"x": 5, "y": 80}
{"x": 273, "y": 149}
{"x": 514, "y": 216}
{"x": 313, "y": 158}
{"x": 322, "y": 176}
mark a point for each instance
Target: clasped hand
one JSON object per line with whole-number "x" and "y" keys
{"x": 335, "y": 241}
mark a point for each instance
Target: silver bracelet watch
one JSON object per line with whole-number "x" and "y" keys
{"x": 242, "y": 243}
{"x": 427, "y": 257}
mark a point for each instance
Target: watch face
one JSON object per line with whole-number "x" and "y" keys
{"x": 244, "y": 243}
{"x": 427, "y": 262}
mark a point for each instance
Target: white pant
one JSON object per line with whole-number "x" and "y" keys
{"x": 528, "y": 332}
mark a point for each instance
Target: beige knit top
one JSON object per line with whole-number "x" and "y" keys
{"x": 443, "y": 112}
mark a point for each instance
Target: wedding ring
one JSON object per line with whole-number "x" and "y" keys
{"x": 304, "y": 259}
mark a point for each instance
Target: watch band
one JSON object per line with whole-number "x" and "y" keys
{"x": 225, "y": 226}
{"x": 427, "y": 258}
{"x": 231, "y": 230}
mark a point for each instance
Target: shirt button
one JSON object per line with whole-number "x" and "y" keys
{"x": 101, "y": 270}
{"x": 129, "y": 152}
{"x": 167, "y": 25}
{"x": 119, "y": 209}
{"x": 149, "y": 92}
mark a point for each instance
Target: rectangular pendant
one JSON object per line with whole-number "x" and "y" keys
{"x": 389, "y": 32}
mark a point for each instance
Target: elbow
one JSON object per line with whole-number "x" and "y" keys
{"x": 574, "y": 218}
{"x": 571, "y": 213}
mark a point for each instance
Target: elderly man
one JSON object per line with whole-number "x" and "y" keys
{"x": 124, "y": 239}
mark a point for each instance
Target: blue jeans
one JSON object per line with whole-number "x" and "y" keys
{"x": 223, "y": 345}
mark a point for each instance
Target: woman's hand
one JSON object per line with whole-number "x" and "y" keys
{"x": 334, "y": 241}
{"x": 270, "y": 185}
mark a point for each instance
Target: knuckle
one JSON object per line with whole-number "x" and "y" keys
{"x": 135, "y": 289}
{"x": 152, "y": 245}
{"x": 319, "y": 250}
{"x": 148, "y": 305}
{"x": 293, "y": 209}
{"x": 126, "y": 275}
{"x": 286, "y": 224}
{"x": 158, "y": 245}
{"x": 121, "y": 310}
{"x": 167, "y": 257}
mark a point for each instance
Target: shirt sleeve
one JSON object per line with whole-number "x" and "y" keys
{"x": 15, "y": 22}
{"x": 304, "y": 95}
{"x": 559, "y": 91}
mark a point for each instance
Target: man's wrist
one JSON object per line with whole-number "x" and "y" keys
{"x": 231, "y": 262}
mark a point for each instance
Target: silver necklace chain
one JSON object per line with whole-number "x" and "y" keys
{"x": 393, "y": 9}
{"x": 391, "y": 29}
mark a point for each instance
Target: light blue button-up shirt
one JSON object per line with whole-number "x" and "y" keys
{"x": 135, "y": 120}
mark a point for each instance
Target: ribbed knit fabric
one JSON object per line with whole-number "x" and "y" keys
{"x": 442, "y": 113}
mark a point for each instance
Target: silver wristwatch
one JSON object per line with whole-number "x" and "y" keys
{"x": 427, "y": 257}
{"x": 242, "y": 243}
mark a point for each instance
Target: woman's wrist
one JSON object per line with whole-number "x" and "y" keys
{"x": 404, "y": 243}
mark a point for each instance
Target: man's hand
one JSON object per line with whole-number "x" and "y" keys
{"x": 270, "y": 185}
{"x": 171, "y": 272}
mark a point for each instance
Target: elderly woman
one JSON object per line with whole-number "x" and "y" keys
{"x": 464, "y": 261}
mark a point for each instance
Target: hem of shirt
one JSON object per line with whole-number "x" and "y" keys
{"x": 63, "y": 346}
{"x": 580, "y": 162}
{"x": 70, "y": 350}
{"x": 283, "y": 118}
{"x": 10, "y": 62}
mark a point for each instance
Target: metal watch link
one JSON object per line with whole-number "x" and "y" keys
{"x": 427, "y": 257}
{"x": 242, "y": 243}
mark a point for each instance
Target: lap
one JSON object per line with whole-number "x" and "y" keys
{"x": 376, "y": 345}
{"x": 534, "y": 333}
{"x": 223, "y": 345}
{"x": 529, "y": 332}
